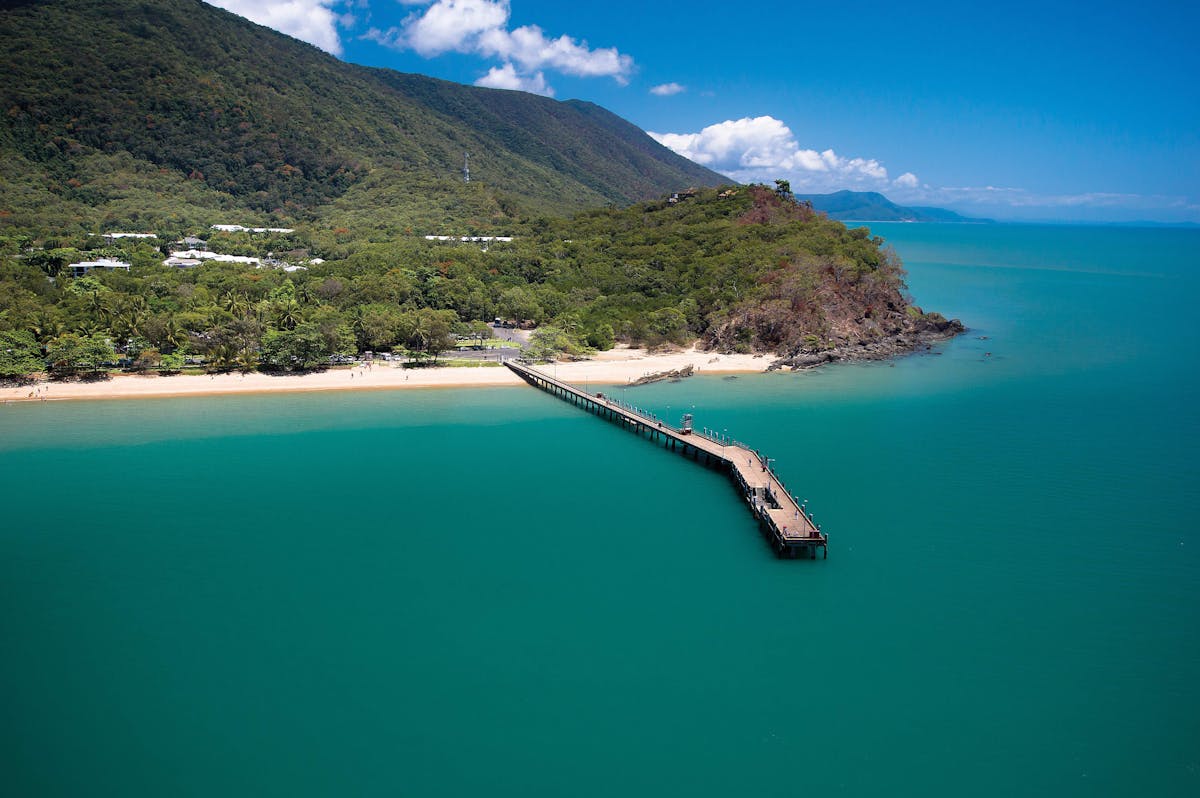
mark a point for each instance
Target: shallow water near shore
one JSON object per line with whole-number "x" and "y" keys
{"x": 490, "y": 592}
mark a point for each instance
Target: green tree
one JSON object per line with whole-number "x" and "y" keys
{"x": 172, "y": 362}
{"x": 20, "y": 355}
{"x": 480, "y": 331}
{"x": 428, "y": 332}
{"x": 71, "y": 354}
{"x": 552, "y": 340}
{"x": 668, "y": 324}
{"x": 520, "y": 303}
{"x": 601, "y": 337}
{"x": 302, "y": 349}
{"x": 288, "y": 314}
{"x": 377, "y": 326}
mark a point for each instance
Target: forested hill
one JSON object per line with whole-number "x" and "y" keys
{"x": 871, "y": 206}
{"x": 744, "y": 268}
{"x": 176, "y": 114}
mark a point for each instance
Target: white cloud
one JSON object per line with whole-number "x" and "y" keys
{"x": 312, "y": 21}
{"x": 764, "y": 148}
{"x": 453, "y": 25}
{"x": 481, "y": 27}
{"x": 667, "y": 89}
{"x": 507, "y": 77}
{"x": 528, "y": 46}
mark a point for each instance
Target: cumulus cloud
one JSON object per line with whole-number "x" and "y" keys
{"x": 312, "y": 21}
{"x": 452, "y": 25}
{"x": 481, "y": 27}
{"x": 667, "y": 89}
{"x": 507, "y": 77}
{"x": 764, "y": 148}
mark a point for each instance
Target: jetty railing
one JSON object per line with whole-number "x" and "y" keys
{"x": 784, "y": 521}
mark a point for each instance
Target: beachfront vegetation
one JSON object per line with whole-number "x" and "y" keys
{"x": 20, "y": 354}
{"x": 740, "y": 269}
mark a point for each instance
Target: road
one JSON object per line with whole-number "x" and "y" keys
{"x": 498, "y": 353}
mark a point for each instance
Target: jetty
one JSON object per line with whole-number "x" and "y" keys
{"x": 784, "y": 522}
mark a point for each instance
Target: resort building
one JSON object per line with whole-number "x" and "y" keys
{"x": 181, "y": 257}
{"x": 471, "y": 239}
{"x": 84, "y": 266}
{"x": 237, "y": 228}
{"x": 115, "y": 236}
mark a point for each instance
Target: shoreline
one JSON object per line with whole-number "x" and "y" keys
{"x": 614, "y": 367}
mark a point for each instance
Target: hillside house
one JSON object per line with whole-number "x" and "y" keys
{"x": 84, "y": 266}
{"x": 471, "y": 239}
{"x": 205, "y": 254}
{"x": 237, "y": 228}
{"x": 117, "y": 236}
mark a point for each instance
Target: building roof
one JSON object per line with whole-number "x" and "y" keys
{"x": 237, "y": 228}
{"x": 99, "y": 263}
{"x": 205, "y": 254}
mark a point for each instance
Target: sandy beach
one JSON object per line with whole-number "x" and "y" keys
{"x": 615, "y": 367}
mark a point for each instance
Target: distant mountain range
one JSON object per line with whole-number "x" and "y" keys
{"x": 871, "y": 206}
{"x": 136, "y": 113}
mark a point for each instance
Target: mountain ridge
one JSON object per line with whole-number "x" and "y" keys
{"x": 115, "y": 110}
{"x": 871, "y": 206}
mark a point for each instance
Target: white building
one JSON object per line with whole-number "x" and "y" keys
{"x": 206, "y": 254}
{"x": 84, "y": 266}
{"x": 115, "y": 236}
{"x": 237, "y": 228}
{"x": 190, "y": 258}
{"x": 471, "y": 239}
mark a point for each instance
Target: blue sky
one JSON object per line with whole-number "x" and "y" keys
{"x": 1040, "y": 111}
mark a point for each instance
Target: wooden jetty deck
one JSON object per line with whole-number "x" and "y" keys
{"x": 784, "y": 522}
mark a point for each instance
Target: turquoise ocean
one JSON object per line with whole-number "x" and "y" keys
{"x": 491, "y": 593}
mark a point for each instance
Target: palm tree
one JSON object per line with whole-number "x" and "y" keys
{"x": 98, "y": 304}
{"x": 288, "y": 315}
{"x": 45, "y": 327}
{"x": 236, "y": 303}
{"x": 418, "y": 333}
{"x": 222, "y": 356}
{"x": 246, "y": 361}
{"x": 304, "y": 292}
{"x": 174, "y": 335}
{"x": 358, "y": 325}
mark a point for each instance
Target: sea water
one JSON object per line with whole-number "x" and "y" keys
{"x": 490, "y": 592}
